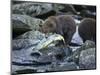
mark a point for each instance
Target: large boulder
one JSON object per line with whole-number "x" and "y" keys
{"x": 18, "y": 44}
{"x": 87, "y": 59}
{"x": 65, "y": 66}
{"x": 59, "y": 53}
{"x": 28, "y": 39}
{"x": 33, "y": 9}
{"x": 76, "y": 54}
{"x": 23, "y": 23}
{"x": 65, "y": 9}
{"x": 32, "y": 35}
{"x": 43, "y": 10}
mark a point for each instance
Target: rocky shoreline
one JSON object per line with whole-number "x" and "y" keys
{"x": 35, "y": 52}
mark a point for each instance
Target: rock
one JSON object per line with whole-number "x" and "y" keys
{"x": 45, "y": 59}
{"x": 75, "y": 56}
{"x": 19, "y": 69}
{"x": 88, "y": 14}
{"x": 23, "y": 56}
{"x": 27, "y": 57}
{"x": 33, "y": 9}
{"x": 17, "y": 2}
{"x": 23, "y": 23}
{"x": 29, "y": 69}
{"x": 67, "y": 51}
{"x": 34, "y": 35}
{"x": 87, "y": 59}
{"x": 18, "y": 44}
{"x": 23, "y": 59}
{"x": 86, "y": 11}
{"x": 40, "y": 62}
{"x": 32, "y": 23}
{"x": 65, "y": 8}
{"x": 87, "y": 44}
{"x": 25, "y": 71}
{"x": 65, "y": 66}
{"x": 58, "y": 52}
{"x": 43, "y": 68}
{"x": 36, "y": 54}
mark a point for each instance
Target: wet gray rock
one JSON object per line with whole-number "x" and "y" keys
{"x": 75, "y": 56}
{"x": 58, "y": 52}
{"x": 87, "y": 59}
{"x": 45, "y": 59}
{"x": 34, "y": 35}
{"x": 55, "y": 52}
{"x": 18, "y": 44}
{"x": 18, "y": 68}
{"x": 24, "y": 71}
{"x": 24, "y": 60}
{"x": 68, "y": 51}
{"x": 87, "y": 44}
{"x": 87, "y": 13}
{"x": 37, "y": 61}
{"x": 23, "y": 55}
{"x": 65, "y": 66}
{"x": 23, "y": 23}
{"x": 43, "y": 10}
{"x": 34, "y": 9}
{"x": 65, "y": 8}
{"x": 36, "y": 54}
{"x": 29, "y": 69}
{"x": 31, "y": 23}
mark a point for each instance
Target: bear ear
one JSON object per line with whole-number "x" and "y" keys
{"x": 52, "y": 17}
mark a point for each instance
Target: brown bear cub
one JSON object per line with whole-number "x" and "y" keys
{"x": 87, "y": 29}
{"x": 62, "y": 24}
